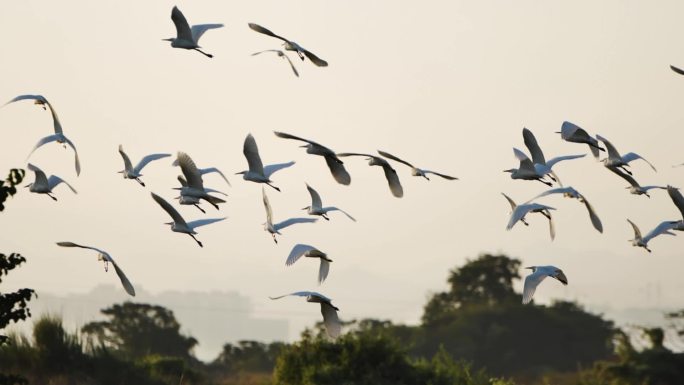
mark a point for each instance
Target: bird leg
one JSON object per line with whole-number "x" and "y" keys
{"x": 547, "y": 215}
{"x": 647, "y": 249}
{"x": 198, "y": 242}
{"x": 51, "y": 196}
{"x": 200, "y": 209}
{"x": 325, "y": 217}
{"x": 625, "y": 170}
{"x": 203, "y": 53}
{"x": 545, "y": 182}
{"x": 524, "y": 221}
{"x": 141, "y": 182}
{"x": 106, "y": 263}
{"x": 301, "y": 55}
{"x": 274, "y": 238}
{"x": 425, "y": 176}
{"x": 276, "y": 188}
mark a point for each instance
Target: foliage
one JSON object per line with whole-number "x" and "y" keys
{"x": 248, "y": 356}
{"x": 8, "y": 186}
{"x": 136, "y": 330}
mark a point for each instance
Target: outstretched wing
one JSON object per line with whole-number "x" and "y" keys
{"x": 77, "y": 163}
{"x": 332, "y": 323}
{"x": 260, "y": 29}
{"x": 531, "y": 282}
{"x": 394, "y": 158}
{"x": 213, "y": 169}
{"x": 144, "y": 161}
{"x": 285, "y": 135}
{"x": 190, "y": 171}
{"x": 662, "y": 228}
{"x": 677, "y": 198}
{"x": 332, "y": 208}
{"x": 393, "y": 181}
{"x": 41, "y": 178}
{"x": 448, "y": 177}
{"x": 315, "y": 59}
{"x": 531, "y": 144}
{"x": 47, "y": 139}
{"x": 54, "y": 180}
{"x": 177, "y": 218}
{"x": 198, "y": 30}
{"x": 267, "y": 206}
{"x": 293, "y": 221}
{"x": 550, "y": 163}
{"x": 127, "y": 161}
{"x": 122, "y": 277}
{"x": 315, "y": 198}
{"x": 297, "y": 251}
{"x": 677, "y": 70}
{"x": 251, "y": 152}
{"x": 595, "y": 221}
{"x": 294, "y": 69}
{"x": 637, "y": 233}
{"x": 510, "y": 201}
{"x": 271, "y": 168}
{"x": 71, "y": 244}
{"x": 202, "y": 222}
{"x": 182, "y": 27}
{"x": 630, "y": 156}
{"x": 337, "y": 170}
{"x": 323, "y": 270}
{"x": 297, "y": 294}
{"x": 624, "y": 176}
{"x": 612, "y": 151}
{"x": 525, "y": 162}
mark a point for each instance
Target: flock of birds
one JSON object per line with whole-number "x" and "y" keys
{"x": 192, "y": 190}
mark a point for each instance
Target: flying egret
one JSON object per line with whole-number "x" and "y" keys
{"x": 541, "y": 165}
{"x": 573, "y": 133}
{"x": 191, "y": 200}
{"x": 275, "y": 228}
{"x": 44, "y": 185}
{"x": 614, "y": 158}
{"x": 662, "y": 228}
{"x": 187, "y": 37}
{"x": 130, "y": 172}
{"x": 538, "y": 274}
{"x": 58, "y": 136}
{"x": 301, "y": 250}
{"x": 415, "y": 171}
{"x": 677, "y": 70}
{"x": 257, "y": 172}
{"x": 194, "y": 186}
{"x": 291, "y": 46}
{"x": 526, "y": 169}
{"x": 317, "y": 208}
{"x": 678, "y": 200}
{"x": 106, "y": 258}
{"x": 179, "y": 225}
{"x": 390, "y": 173}
{"x": 207, "y": 170}
{"x": 518, "y": 213}
{"x": 570, "y": 192}
{"x": 332, "y": 323}
{"x": 635, "y": 188}
{"x": 334, "y": 163}
{"x": 282, "y": 55}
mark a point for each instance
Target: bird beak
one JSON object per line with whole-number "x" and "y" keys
{"x": 241, "y": 172}
{"x": 167, "y": 39}
{"x": 509, "y": 170}
{"x": 168, "y": 223}
{"x": 558, "y": 132}
{"x": 529, "y": 267}
{"x": 305, "y": 208}
{"x": 304, "y": 146}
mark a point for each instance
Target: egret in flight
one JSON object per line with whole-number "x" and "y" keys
{"x": 44, "y": 185}
{"x": 107, "y": 259}
{"x": 390, "y": 173}
{"x": 332, "y": 323}
{"x": 541, "y": 166}
{"x": 301, "y": 250}
{"x": 187, "y": 37}
{"x": 526, "y": 170}
{"x": 575, "y": 134}
{"x": 179, "y": 225}
{"x": 317, "y": 208}
{"x": 282, "y": 55}
{"x": 538, "y": 274}
{"x": 275, "y": 228}
{"x": 415, "y": 171}
{"x": 518, "y": 213}
{"x": 291, "y": 46}
{"x": 194, "y": 186}
{"x": 570, "y": 192}
{"x": 662, "y": 228}
{"x": 58, "y": 136}
{"x": 257, "y": 172}
{"x": 635, "y": 188}
{"x": 614, "y": 158}
{"x": 334, "y": 163}
{"x": 130, "y": 172}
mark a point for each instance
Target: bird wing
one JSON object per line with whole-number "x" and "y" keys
{"x": 177, "y": 218}
{"x": 612, "y": 151}
{"x": 285, "y": 135}
{"x": 394, "y": 158}
{"x": 260, "y": 29}
{"x": 595, "y": 220}
{"x": 525, "y": 162}
{"x": 297, "y": 251}
{"x": 201, "y": 222}
{"x": 531, "y": 144}
{"x": 298, "y": 294}
{"x": 315, "y": 59}
{"x": 559, "y": 275}
{"x": 637, "y": 232}
{"x": 124, "y": 280}
{"x": 557, "y": 190}
{"x": 47, "y": 139}
{"x": 267, "y": 206}
{"x": 531, "y": 282}
{"x": 209, "y": 170}
{"x": 624, "y": 176}
{"x": 269, "y": 50}
{"x": 677, "y": 198}
{"x": 315, "y": 198}
{"x": 662, "y": 228}
{"x": 550, "y": 163}
{"x": 510, "y": 201}
{"x": 344, "y": 154}
{"x": 677, "y": 70}
{"x": 71, "y": 244}
{"x": 441, "y": 175}
{"x": 332, "y": 208}
{"x": 182, "y": 181}
{"x": 569, "y": 129}
{"x": 39, "y": 98}
{"x": 190, "y": 171}
{"x": 630, "y": 156}
{"x": 251, "y": 152}
{"x": 77, "y": 163}
{"x": 521, "y": 210}
{"x": 393, "y": 180}
{"x": 271, "y": 168}
{"x": 293, "y": 221}
{"x": 198, "y": 30}
{"x": 127, "y": 161}
{"x": 144, "y": 161}
{"x": 182, "y": 27}
{"x": 323, "y": 270}
{"x": 646, "y": 188}
{"x": 333, "y": 326}
{"x": 337, "y": 170}
{"x": 552, "y": 227}
{"x": 294, "y": 69}
{"x": 41, "y": 178}
{"x": 54, "y": 180}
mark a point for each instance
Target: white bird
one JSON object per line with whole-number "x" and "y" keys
{"x": 179, "y": 225}
{"x": 204, "y": 171}
{"x": 635, "y": 188}
{"x": 58, "y": 136}
{"x": 390, "y": 173}
{"x": 538, "y": 274}
{"x": 415, "y": 171}
{"x": 282, "y": 55}
{"x": 317, "y": 208}
{"x": 662, "y": 228}
{"x": 678, "y": 200}
{"x": 194, "y": 186}
{"x": 44, "y": 185}
{"x": 614, "y": 158}
{"x": 573, "y": 133}
{"x": 191, "y": 200}
{"x": 570, "y": 192}
{"x": 257, "y": 172}
{"x": 334, "y": 163}
{"x": 130, "y": 172}
{"x": 291, "y": 46}
{"x": 526, "y": 169}
{"x": 275, "y": 228}
{"x": 677, "y": 70}
{"x": 307, "y": 251}
{"x": 187, "y": 37}
{"x": 106, "y": 258}
{"x": 541, "y": 165}
{"x": 518, "y": 213}
{"x": 332, "y": 323}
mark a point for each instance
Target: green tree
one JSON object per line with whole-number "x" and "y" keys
{"x": 249, "y": 356}
{"x": 8, "y": 187}
{"x": 136, "y": 330}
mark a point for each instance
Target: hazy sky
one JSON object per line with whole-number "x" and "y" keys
{"x": 447, "y": 85}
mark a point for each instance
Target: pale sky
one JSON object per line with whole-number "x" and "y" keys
{"x": 447, "y": 85}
